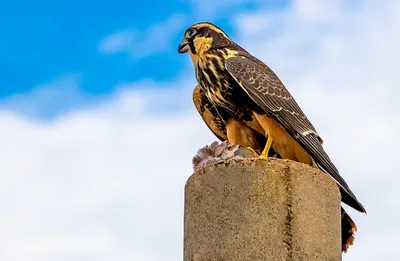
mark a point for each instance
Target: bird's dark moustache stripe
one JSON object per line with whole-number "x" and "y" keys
{"x": 192, "y": 48}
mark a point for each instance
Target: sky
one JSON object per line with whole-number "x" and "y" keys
{"x": 98, "y": 128}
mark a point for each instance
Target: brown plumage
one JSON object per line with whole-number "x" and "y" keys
{"x": 232, "y": 130}
{"x": 246, "y": 92}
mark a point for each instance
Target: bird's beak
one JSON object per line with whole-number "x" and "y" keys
{"x": 183, "y": 46}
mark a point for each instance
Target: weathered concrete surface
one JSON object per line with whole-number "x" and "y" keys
{"x": 261, "y": 209}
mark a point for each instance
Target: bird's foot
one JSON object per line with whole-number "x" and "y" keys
{"x": 253, "y": 151}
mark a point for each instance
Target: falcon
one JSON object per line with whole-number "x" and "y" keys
{"x": 245, "y": 96}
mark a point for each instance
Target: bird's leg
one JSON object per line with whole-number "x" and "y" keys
{"x": 254, "y": 152}
{"x": 264, "y": 153}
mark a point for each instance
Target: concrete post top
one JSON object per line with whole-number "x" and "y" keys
{"x": 272, "y": 164}
{"x": 261, "y": 209}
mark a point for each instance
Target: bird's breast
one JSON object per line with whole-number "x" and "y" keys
{"x": 214, "y": 82}
{"x": 220, "y": 87}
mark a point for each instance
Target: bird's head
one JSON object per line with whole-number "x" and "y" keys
{"x": 203, "y": 37}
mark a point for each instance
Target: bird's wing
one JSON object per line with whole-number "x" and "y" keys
{"x": 268, "y": 92}
{"x": 209, "y": 114}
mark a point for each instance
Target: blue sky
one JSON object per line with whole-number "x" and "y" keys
{"x": 45, "y": 40}
{"x": 98, "y": 129}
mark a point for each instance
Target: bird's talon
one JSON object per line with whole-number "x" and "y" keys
{"x": 253, "y": 151}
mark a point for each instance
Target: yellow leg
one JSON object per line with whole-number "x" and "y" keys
{"x": 254, "y": 152}
{"x": 264, "y": 153}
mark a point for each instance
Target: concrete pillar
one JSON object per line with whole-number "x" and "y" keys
{"x": 261, "y": 209}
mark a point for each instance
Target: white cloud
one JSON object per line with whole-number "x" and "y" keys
{"x": 117, "y": 42}
{"x": 155, "y": 39}
{"x": 106, "y": 182}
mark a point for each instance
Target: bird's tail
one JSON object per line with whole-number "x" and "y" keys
{"x": 348, "y": 229}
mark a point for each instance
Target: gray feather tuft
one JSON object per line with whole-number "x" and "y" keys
{"x": 217, "y": 152}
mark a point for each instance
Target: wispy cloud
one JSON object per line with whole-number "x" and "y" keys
{"x": 49, "y": 99}
{"x": 118, "y": 42}
{"x": 155, "y": 39}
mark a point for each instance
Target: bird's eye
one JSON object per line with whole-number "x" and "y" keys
{"x": 191, "y": 32}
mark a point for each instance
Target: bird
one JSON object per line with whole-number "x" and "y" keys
{"x": 243, "y": 93}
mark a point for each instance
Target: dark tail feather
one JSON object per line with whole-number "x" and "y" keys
{"x": 351, "y": 201}
{"x": 348, "y": 229}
